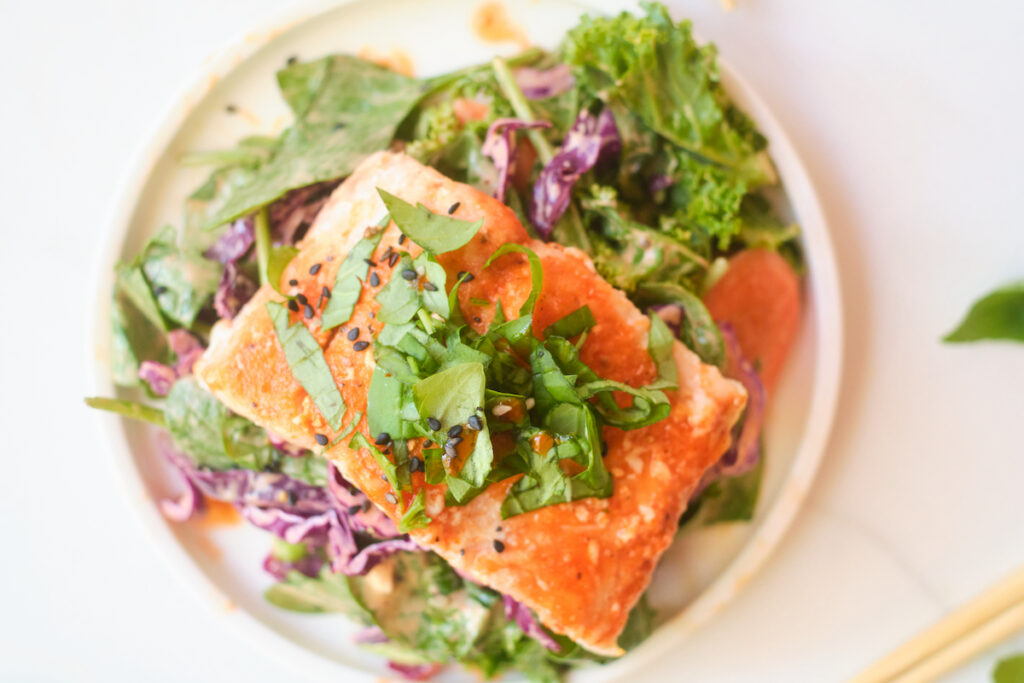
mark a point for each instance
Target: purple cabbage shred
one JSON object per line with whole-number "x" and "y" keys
{"x": 500, "y": 146}
{"x": 309, "y": 565}
{"x": 745, "y": 450}
{"x": 159, "y": 376}
{"x": 537, "y": 84}
{"x": 521, "y": 615}
{"x": 291, "y": 215}
{"x": 415, "y": 672}
{"x": 591, "y": 140}
{"x": 234, "y": 243}
{"x": 233, "y": 292}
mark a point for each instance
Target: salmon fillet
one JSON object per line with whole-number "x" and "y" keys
{"x": 580, "y": 566}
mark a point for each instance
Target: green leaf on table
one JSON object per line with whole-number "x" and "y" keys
{"x": 1009, "y": 670}
{"x": 348, "y": 282}
{"x": 434, "y": 232}
{"x": 999, "y": 315}
{"x": 307, "y": 363}
{"x": 346, "y": 108}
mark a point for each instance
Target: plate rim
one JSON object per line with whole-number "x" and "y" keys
{"x": 247, "y": 627}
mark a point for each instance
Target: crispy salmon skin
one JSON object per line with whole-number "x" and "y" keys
{"x": 580, "y": 566}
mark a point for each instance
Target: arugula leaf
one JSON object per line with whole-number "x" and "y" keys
{"x": 655, "y": 68}
{"x": 129, "y": 409}
{"x": 999, "y": 315}
{"x": 328, "y": 592}
{"x": 698, "y": 331}
{"x": 307, "y": 363}
{"x": 434, "y": 232}
{"x": 182, "y": 281}
{"x": 1009, "y": 670}
{"x": 203, "y": 428}
{"x": 536, "y": 273}
{"x": 660, "y": 344}
{"x": 346, "y": 109}
{"x": 138, "y": 330}
{"x": 348, "y": 282}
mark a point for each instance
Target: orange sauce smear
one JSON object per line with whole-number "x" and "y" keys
{"x": 492, "y": 24}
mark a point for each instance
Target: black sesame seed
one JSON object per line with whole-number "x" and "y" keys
{"x": 453, "y": 208}
{"x": 159, "y": 289}
{"x": 302, "y": 299}
{"x": 360, "y": 345}
{"x": 475, "y": 422}
{"x": 428, "y": 444}
{"x": 462, "y": 551}
{"x": 383, "y": 439}
{"x": 325, "y": 293}
{"x": 370, "y": 262}
{"x": 415, "y": 464}
{"x": 366, "y": 504}
{"x": 454, "y": 441}
{"x": 231, "y": 109}
{"x": 393, "y": 259}
{"x": 499, "y": 546}
{"x": 390, "y": 497}
{"x": 339, "y": 126}
{"x": 430, "y": 286}
{"x": 292, "y": 497}
{"x": 433, "y": 423}
{"x": 320, "y": 439}
{"x": 314, "y": 269}
{"x": 353, "y": 334}
{"x": 477, "y": 319}
{"x": 354, "y": 509}
{"x": 308, "y": 312}
{"x": 465, "y": 276}
{"x": 293, "y": 283}
{"x": 294, "y": 305}
{"x": 455, "y": 431}
{"x": 292, "y": 60}
{"x": 387, "y": 253}
{"x": 374, "y": 279}
{"x": 409, "y": 274}
{"x": 497, "y": 528}
{"x": 401, "y": 238}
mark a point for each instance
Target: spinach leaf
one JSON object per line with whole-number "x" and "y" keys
{"x": 654, "y": 67}
{"x": 346, "y": 108}
{"x": 138, "y": 330}
{"x": 307, "y": 363}
{"x": 697, "y": 330}
{"x": 348, "y": 282}
{"x": 728, "y": 499}
{"x": 182, "y": 281}
{"x": 999, "y": 315}
{"x": 536, "y": 273}
{"x": 328, "y": 592}
{"x": 639, "y": 626}
{"x": 205, "y": 429}
{"x": 434, "y": 232}
{"x": 399, "y": 299}
{"x": 129, "y": 409}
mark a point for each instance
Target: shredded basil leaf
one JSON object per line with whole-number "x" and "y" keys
{"x": 307, "y": 363}
{"x": 348, "y": 283}
{"x": 536, "y": 273}
{"x": 660, "y": 344}
{"x": 129, "y": 409}
{"x": 577, "y": 322}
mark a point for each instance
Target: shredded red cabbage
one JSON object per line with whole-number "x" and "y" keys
{"x": 285, "y": 448}
{"x": 415, "y": 672}
{"x": 371, "y": 635}
{"x": 160, "y": 377}
{"x": 364, "y": 515}
{"x": 746, "y": 449}
{"x": 591, "y": 139}
{"x": 309, "y": 565}
{"x": 537, "y": 84}
{"x": 500, "y": 146}
{"x": 523, "y": 617}
{"x": 234, "y": 243}
{"x": 291, "y": 215}
{"x": 234, "y": 291}
{"x": 187, "y": 504}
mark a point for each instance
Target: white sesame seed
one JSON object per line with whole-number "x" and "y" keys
{"x": 530, "y": 403}
{"x": 500, "y": 409}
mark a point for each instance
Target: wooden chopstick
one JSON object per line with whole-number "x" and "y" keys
{"x": 989, "y": 618}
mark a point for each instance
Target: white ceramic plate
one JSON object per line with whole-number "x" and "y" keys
{"x": 703, "y": 570}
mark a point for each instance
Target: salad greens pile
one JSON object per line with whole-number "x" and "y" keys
{"x": 623, "y": 143}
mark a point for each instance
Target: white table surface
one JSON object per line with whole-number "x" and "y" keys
{"x": 909, "y": 117}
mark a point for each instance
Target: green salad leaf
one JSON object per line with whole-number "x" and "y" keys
{"x": 182, "y": 281}
{"x": 138, "y": 330}
{"x": 348, "y": 282}
{"x": 328, "y": 592}
{"x": 1009, "y": 670}
{"x": 432, "y": 231}
{"x": 346, "y": 108}
{"x": 999, "y": 315}
{"x": 307, "y": 363}
{"x": 699, "y": 332}
{"x": 129, "y": 409}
